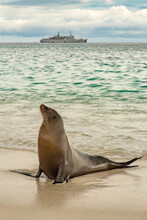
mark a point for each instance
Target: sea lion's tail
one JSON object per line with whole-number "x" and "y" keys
{"x": 126, "y": 164}
{"x": 23, "y": 173}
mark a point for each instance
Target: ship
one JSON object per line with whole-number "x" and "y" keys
{"x": 62, "y": 39}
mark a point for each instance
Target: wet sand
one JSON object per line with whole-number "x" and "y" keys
{"x": 116, "y": 194}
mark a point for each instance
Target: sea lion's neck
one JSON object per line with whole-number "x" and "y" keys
{"x": 43, "y": 132}
{"x": 56, "y": 137}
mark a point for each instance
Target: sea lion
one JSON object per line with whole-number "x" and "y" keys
{"x": 58, "y": 160}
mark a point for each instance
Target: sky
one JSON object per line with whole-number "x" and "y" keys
{"x": 96, "y": 20}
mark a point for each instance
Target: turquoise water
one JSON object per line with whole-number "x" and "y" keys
{"x": 99, "y": 89}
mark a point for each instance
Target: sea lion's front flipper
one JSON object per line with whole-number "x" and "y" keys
{"x": 62, "y": 174}
{"x": 39, "y": 172}
{"x": 29, "y": 174}
{"x": 22, "y": 172}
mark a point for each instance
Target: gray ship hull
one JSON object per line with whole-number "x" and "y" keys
{"x": 63, "y": 41}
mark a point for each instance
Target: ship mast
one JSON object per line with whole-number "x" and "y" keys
{"x": 70, "y": 33}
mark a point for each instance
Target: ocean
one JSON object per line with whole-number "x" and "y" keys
{"x": 99, "y": 89}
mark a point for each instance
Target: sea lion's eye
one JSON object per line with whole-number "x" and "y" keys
{"x": 54, "y": 117}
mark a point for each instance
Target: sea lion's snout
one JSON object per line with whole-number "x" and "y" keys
{"x": 49, "y": 112}
{"x": 49, "y": 115}
{"x": 42, "y": 106}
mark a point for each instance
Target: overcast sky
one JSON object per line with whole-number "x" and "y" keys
{"x": 96, "y": 20}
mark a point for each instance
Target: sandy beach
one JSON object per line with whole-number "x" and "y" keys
{"x": 115, "y": 194}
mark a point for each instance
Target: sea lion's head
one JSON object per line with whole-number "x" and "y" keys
{"x": 51, "y": 119}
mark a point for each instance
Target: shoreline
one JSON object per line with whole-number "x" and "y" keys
{"x": 109, "y": 154}
{"x": 114, "y": 194}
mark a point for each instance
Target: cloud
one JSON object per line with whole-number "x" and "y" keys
{"x": 42, "y": 21}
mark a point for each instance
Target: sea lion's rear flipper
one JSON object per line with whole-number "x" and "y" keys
{"x": 29, "y": 174}
{"x": 125, "y": 164}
